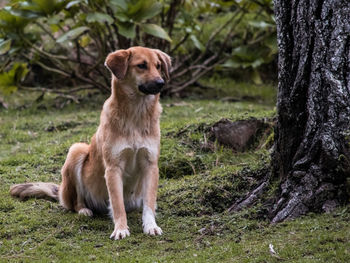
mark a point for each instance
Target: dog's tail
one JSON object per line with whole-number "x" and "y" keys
{"x": 39, "y": 190}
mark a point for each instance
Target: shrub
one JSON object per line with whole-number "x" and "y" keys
{"x": 53, "y": 45}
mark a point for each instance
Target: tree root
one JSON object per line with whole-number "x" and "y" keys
{"x": 251, "y": 198}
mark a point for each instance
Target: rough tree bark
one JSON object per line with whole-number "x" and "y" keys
{"x": 311, "y": 155}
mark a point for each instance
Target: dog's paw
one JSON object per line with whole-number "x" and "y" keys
{"x": 85, "y": 212}
{"x": 152, "y": 229}
{"x": 119, "y": 234}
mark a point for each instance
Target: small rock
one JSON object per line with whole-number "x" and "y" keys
{"x": 329, "y": 206}
{"x": 238, "y": 135}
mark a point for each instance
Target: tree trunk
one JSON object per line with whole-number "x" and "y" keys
{"x": 311, "y": 155}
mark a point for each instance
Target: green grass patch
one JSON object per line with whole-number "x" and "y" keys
{"x": 196, "y": 188}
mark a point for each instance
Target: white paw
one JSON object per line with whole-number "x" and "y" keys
{"x": 85, "y": 212}
{"x": 152, "y": 229}
{"x": 119, "y": 234}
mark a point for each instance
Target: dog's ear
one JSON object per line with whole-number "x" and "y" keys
{"x": 165, "y": 63}
{"x": 117, "y": 62}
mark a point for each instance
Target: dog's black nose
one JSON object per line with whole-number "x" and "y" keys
{"x": 159, "y": 83}
{"x": 153, "y": 87}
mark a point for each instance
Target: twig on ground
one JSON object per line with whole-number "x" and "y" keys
{"x": 250, "y": 198}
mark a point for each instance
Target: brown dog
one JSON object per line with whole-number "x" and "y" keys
{"x": 119, "y": 168}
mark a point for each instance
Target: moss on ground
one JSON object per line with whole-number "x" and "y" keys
{"x": 197, "y": 186}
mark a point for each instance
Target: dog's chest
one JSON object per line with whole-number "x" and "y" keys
{"x": 135, "y": 153}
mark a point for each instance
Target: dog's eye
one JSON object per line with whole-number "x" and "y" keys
{"x": 158, "y": 66}
{"x": 142, "y": 66}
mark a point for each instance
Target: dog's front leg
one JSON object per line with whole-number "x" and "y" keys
{"x": 114, "y": 182}
{"x": 149, "y": 201}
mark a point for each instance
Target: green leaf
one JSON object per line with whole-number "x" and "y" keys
{"x": 188, "y": 30}
{"x": 10, "y": 79}
{"x": 6, "y": 89}
{"x": 5, "y": 46}
{"x": 120, "y": 3}
{"x": 260, "y": 24}
{"x": 84, "y": 40}
{"x": 73, "y": 3}
{"x": 49, "y": 6}
{"x": 72, "y": 34}
{"x": 271, "y": 43}
{"x": 127, "y": 29}
{"x": 256, "y": 77}
{"x": 22, "y": 13}
{"x": 10, "y": 23}
{"x": 244, "y": 53}
{"x": 258, "y": 62}
{"x": 21, "y": 72}
{"x": 237, "y": 63}
{"x": 156, "y": 31}
{"x": 99, "y": 18}
{"x": 230, "y": 63}
{"x": 197, "y": 43}
{"x": 122, "y": 17}
{"x": 148, "y": 11}
{"x": 54, "y": 20}
{"x": 135, "y": 6}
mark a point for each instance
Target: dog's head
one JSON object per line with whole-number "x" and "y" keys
{"x": 147, "y": 68}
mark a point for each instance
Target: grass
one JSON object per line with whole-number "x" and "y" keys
{"x": 196, "y": 188}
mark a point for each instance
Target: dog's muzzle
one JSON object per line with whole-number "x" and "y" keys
{"x": 152, "y": 87}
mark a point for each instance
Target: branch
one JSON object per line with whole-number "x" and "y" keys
{"x": 42, "y": 52}
{"x": 183, "y": 40}
{"x": 195, "y": 78}
{"x": 188, "y": 69}
{"x": 198, "y": 65}
{"x": 78, "y": 51}
{"x": 63, "y": 95}
{"x": 56, "y": 58}
{"x": 172, "y": 15}
{"x": 219, "y": 30}
{"x": 183, "y": 62}
{"x": 48, "y": 68}
{"x": 92, "y": 82}
{"x": 74, "y": 90}
{"x": 228, "y": 36}
{"x": 45, "y": 30}
{"x": 267, "y": 8}
{"x": 111, "y": 42}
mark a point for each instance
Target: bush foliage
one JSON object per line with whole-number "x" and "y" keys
{"x": 60, "y": 45}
